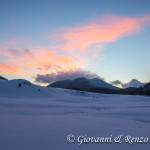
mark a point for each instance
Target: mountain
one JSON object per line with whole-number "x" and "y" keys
{"x": 143, "y": 90}
{"x": 133, "y": 83}
{"x": 105, "y": 90}
{"x": 20, "y": 88}
{"x": 23, "y": 88}
{"x": 2, "y": 78}
{"x": 82, "y": 84}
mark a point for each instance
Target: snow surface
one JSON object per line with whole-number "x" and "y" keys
{"x": 33, "y": 119}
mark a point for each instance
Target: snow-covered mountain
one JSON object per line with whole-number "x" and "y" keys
{"x": 22, "y": 88}
{"x": 82, "y": 84}
{"x": 2, "y": 78}
{"x": 133, "y": 83}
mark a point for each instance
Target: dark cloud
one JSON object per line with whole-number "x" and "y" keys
{"x": 48, "y": 78}
{"x": 27, "y": 52}
{"x": 116, "y": 82}
{"x": 19, "y": 52}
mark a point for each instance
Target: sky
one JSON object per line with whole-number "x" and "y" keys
{"x": 60, "y": 39}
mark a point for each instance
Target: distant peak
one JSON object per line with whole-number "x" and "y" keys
{"x": 133, "y": 83}
{"x": 134, "y": 80}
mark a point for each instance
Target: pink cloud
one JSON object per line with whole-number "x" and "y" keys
{"x": 15, "y": 52}
{"x": 11, "y": 69}
{"x": 77, "y": 47}
{"x": 99, "y": 31}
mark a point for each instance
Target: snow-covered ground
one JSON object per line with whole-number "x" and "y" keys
{"x": 41, "y": 118}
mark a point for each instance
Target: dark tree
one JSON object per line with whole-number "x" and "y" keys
{"x": 19, "y": 85}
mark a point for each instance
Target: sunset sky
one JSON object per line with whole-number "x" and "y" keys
{"x": 65, "y": 38}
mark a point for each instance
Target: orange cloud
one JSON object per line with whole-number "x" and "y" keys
{"x": 51, "y": 61}
{"x": 11, "y": 69}
{"x": 24, "y": 61}
{"x": 81, "y": 46}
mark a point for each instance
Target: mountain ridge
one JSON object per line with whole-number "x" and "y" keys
{"x": 133, "y": 83}
{"x": 21, "y": 87}
{"x": 82, "y": 84}
{"x": 2, "y": 78}
{"x": 100, "y": 86}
